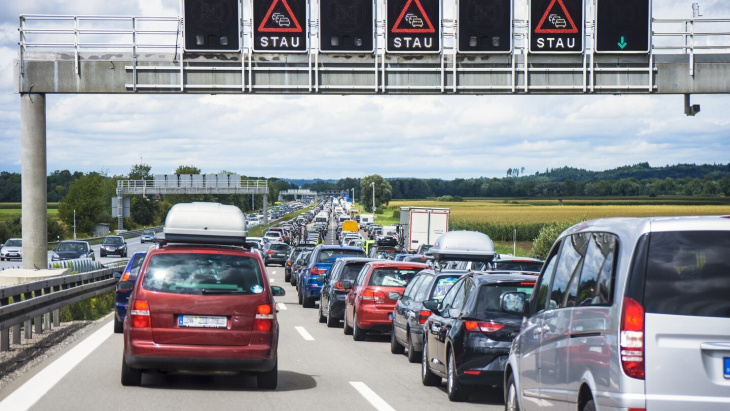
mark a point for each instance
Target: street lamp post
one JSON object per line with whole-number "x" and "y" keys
{"x": 74, "y": 224}
{"x": 373, "y": 184}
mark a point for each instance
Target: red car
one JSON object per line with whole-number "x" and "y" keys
{"x": 374, "y": 294}
{"x": 202, "y": 302}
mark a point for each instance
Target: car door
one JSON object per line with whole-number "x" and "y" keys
{"x": 330, "y": 277}
{"x": 402, "y": 309}
{"x": 351, "y": 298}
{"x": 438, "y": 325}
{"x": 527, "y": 345}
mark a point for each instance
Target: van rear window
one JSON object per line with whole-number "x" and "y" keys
{"x": 196, "y": 273}
{"x": 688, "y": 273}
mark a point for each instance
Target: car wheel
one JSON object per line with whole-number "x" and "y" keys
{"x": 331, "y": 321}
{"x": 589, "y": 406}
{"x": 454, "y": 389}
{"x": 395, "y": 346}
{"x": 125, "y": 254}
{"x": 268, "y": 380}
{"x": 118, "y": 326}
{"x": 358, "y": 334}
{"x": 346, "y": 329}
{"x": 130, "y": 376}
{"x": 322, "y": 318}
{"x": 428, "y": 378}
{"x": 292, "y": 280}
{"x": 413, "y": 355}
{"x": 510, "y": 400}
{"x": 300, "y": 297}
{"x": 307, "y": 302}
{"x": 287, "y": 278}
{"x": 103, "y": 255}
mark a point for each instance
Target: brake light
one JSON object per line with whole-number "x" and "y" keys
{"x": 423, "y": 316}
{"x": 317, "y": 271}
{"x": 377, "y": 296}
{"x": 125, "y": 277}
{"x": 528, "y": 283}
{"x": 632, "y": 338}
{"x": 264, "y": 319}
{"x": 482, "y": 326}
{"x": 338, "y": 286}
{"x": 270, "y": 251}
{"x": 140, "y": 314}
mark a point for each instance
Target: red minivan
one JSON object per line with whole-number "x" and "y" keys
{"x": 202, "y": 303}
{"x": 374, "y": 294}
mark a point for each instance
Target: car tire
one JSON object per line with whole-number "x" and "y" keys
{"x": 130, "y": 377}
{"x": 413, "y": 355}
{"x": 125, "y": 254}
{"x": 287, "y": 278}
{"x": 118, "y": 326}
{"x": 268, "y": 380}
{"x": 346, "y": 329}
{"x": 301, "y": 299}
{"x": 428, "y": 378}
{"x": 102, "y": 255}
{"x": 589, "y": 406}
{"x": 358, "y": 334}
{"x": 292, "y": 280}
{"x": 307, "y": 302}
{"x": 510, "y": 397}
{"x": 322, "y": 318}
{"x": 395, "y": 346}
{"x": 454, "y": 389}
{"x": 331, "y": 321}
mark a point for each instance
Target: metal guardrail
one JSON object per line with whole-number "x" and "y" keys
{"x": 125, "y": 234}
{"x": 37, "y": 301}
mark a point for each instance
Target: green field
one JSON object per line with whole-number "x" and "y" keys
{"x": 11, "y": 210}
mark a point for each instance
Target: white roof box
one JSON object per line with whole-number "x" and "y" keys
{"x": 205, "y": 223}
{"x": 463, "y": 246}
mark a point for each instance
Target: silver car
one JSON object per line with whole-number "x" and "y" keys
{"x": 628, "y": 313}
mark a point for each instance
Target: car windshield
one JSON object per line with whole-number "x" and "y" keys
{"x": 148, "y": 232}
{"x": 326, "y": 256}
{"x": 198, "y": 273}
{"x": 518, "y": 265}
{"x": 112, "y": 240}
{"x": 136, "y": 264}
{"x": 78, "y": 247}
{"x": 280, "y": 247}
{"x": 490, "y": 295}
{"x": 392, "y": 277}
{"x": 350, "y": 271}
{"x": 443, "y": 285}
{"x": 14, "y": 243}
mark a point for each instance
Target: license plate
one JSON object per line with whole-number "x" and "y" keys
{"x": 726, "y": 368}
{"x": 202, "y": 321}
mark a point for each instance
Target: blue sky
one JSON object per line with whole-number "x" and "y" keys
{"x": 327, "y": 137}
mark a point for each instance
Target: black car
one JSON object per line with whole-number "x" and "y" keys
{"x": 113, "y": 244}
{"x": 293, "y": 254}
{"x": 276, "y": 253}
{"x": 332, "y": 297}
{"x": 298, "y": 265}
{"x": 69, "y": 250}
{"x": 409, "y": 314}
{"x": 467, "y": 339}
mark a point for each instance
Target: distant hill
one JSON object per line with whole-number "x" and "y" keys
{"x": 641, "y": 171}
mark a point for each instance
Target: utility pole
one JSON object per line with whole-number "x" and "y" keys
{"x": 74, "y": 224}
{"x": 373, "y": 184}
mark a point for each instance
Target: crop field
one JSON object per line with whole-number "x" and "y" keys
{"x": 11, "y": 210}
{"x": 498, "y": 218}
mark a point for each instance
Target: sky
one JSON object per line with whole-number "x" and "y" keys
{"x": 334, "y": 136}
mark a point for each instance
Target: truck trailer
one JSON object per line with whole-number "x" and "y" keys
{"x": 422, "y": 225}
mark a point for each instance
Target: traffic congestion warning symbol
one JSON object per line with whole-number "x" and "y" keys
{"x": 557, "y": 19}
{"x": 413, "y": 19}
{"x": 280, "y": 19}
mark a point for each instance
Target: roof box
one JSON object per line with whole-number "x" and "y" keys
{"x": 463, "y": 246}
{"x": 205, "y": 223}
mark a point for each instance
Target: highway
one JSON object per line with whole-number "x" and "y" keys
{"x": 319, "y": 368}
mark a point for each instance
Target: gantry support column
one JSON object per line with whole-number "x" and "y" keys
{"x": 33, "y": 174}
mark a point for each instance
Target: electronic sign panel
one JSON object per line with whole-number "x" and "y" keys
{"x": 556, "y": 26}
{"x": 413, "y": 26}
{"x": 211, "y": 25}
{"x": 623, "y": 26}
{"x": 346, "y": 26}
{"x": 280, "y": 26}
{"x": 485, "y": 26}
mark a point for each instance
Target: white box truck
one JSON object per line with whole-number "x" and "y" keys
{"x": 422, "y": 225}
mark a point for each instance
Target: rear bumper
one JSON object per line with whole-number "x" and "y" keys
{"x": 199, "y": 364}
{"x": 372, "y": 317}
{"x": 148, "y": 355}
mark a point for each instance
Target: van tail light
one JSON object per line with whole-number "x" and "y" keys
{"x": 482, "y": 326}
{"x": 264, "y": 320}
{"x": 377, "y": 297}
{"x": 140, "y": 314}
{"x": 318, "y": 271}
{"x": 423, "y": 316}
{"x": 338, "y": 286}
{"x": 631, "y": 338}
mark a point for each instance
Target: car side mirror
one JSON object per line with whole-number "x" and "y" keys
{"x": 432, "y": 305}
{"x": 513, "y": 302}
{"x": 394, "y": 295}
{"x": 277, "y": 291}
{"x": 117, "y": 274}
{"x": 347, "y": 285}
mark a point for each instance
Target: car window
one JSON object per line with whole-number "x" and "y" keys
{"x": 538, "y": 301}
{"x": 362, "y": 274}
{"x": 14, "y": 243}
{"x": 329, "y": 255}
{"x": 489, "y": 296}
{"x": 567, "y": 271}
{"x": 443, "y": 285}
{"x": 597, "y": 274}
{"x": 112, "y": 240}
{"x": 462, "y": 295}
{"x": 197, "y": 273}
{"x": 423, "y": 288}
{"x": 136, "y": 264}
{"x": 450, "y": 295}
{"x": 350, "y": 271}
{"x": 392, "y": 277}
{"x": 280, "y": 247}
{"x": 518, "y": 265}
{"x": 688, "y": 273}
{"x": 413, "y": 286}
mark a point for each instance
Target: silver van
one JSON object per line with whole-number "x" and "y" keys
{"x": 627, "y": 313}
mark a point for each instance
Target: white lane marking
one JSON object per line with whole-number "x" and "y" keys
{"x": 281, "y": 306}
{"x": 273, "y": 272}
{"x": 307, "y": 336}
{"x": 370, "y": 395}
{"x": 271, "y": 280}
{"x": 29, "y": 393}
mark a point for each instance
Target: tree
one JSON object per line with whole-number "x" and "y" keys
{"x": 140, "y": 172}
{"x": 143, "y": 210}
{"x": 88, "y": 196}
{"x": 187, "y": 170}
{"x": 383, "y": 191}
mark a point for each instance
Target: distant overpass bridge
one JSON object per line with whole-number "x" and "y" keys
{"x": 308, "y": 193}
{"x": 136, "y": 55}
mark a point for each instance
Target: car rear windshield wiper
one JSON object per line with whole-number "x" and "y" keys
{"x": 207, "y": 291}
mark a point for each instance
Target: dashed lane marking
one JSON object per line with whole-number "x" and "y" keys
{"x": 370, "y": 395}
{"x": 307, "y": 336}
{"x": 281, "y": 306}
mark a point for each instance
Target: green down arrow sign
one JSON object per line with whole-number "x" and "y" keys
{"x": 622, "y": 43}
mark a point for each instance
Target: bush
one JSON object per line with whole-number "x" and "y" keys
{"x": 542, "y": 244}
{"x": 453, "y": 199}
{"x": 90, "y": 309}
